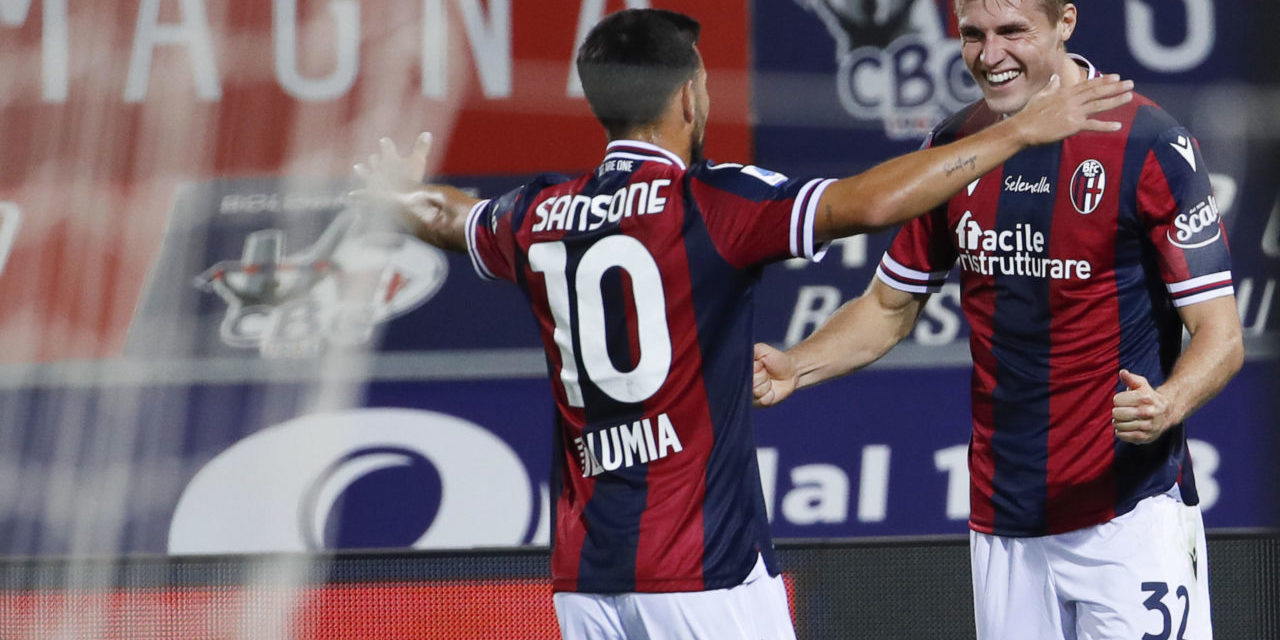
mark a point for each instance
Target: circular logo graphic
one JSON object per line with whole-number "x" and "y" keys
{"x": 375, "y": 497}
{"x": 363, "y": 478}
{"x": 1088, "y": 184}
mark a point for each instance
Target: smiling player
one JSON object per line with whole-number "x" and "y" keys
{"x": 1080, "y": 265}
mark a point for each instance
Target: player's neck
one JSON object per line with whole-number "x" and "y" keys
{"x": 1071, "y": 72}
{"x": 665, "y": 135}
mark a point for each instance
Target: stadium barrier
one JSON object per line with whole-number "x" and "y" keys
{"x": 886, "y": 588}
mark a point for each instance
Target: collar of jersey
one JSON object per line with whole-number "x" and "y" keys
{"x": 636, "y": 150}
{"x": 1083, "y": 62}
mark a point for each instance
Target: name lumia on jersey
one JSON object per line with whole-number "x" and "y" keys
{"x": 1012, "y": 252}
{"x": 627, "y": 445}
{"x": 588, "y": 213}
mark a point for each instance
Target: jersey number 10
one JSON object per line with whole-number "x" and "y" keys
{"x": 586, "y": 297}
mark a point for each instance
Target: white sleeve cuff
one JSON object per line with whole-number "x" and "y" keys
{"x": 803, "y": 214}
{"x": 477, "y": 262}
{"x": 894, "y": 274}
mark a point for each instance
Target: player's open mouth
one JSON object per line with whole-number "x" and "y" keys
{"x": 1004, "y": 77}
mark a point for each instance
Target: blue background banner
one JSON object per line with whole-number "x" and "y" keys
{"x": 300, "y": 375}
{"x": 248, "y": 467}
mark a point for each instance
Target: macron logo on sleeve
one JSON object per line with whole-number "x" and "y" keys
{"x": 1183, "y": 146}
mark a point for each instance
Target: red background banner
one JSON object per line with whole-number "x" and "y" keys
{"x": 109, "y": 107}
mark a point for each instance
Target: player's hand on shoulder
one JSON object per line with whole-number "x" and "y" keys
{"x": 1058, "y": 112}
{"x": 1141, "y": 414}
{"x": 773, "y": 377}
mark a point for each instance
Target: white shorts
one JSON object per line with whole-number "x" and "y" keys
{"x": 754, "y": 610}
{"x": 1144, "y": 574}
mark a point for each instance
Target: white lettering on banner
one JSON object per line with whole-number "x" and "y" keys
{"x": 954, "y": 461}
{"x": 275, "y": 202}
{"x": 821, "y": 494}
{"x": 940, "y": 321}
{"x": 1244, "y": 299}
{"x": 814, "y": 305}
{"x": 1271, "y": 235}
{"x": 853, "y": 253}
{"x": 10, "y": 220}
{"x": 487, "y": 27}
{"x": 767, "y": 460}
{"x": 346, "y": 19}
{"x": 1140, "y": 29}
{"x": 55, "y": 46}
{"x": 873, "y": 484}
{"x": 591, "y": 13}
{"x": 489, "y": 38}
{"x": 1207, "y": 459}
{"x": 910, "y": 83}
{"x": 14, "y": 12}
{"x": 1224, "y": 190}
{"x": 192, "y": 31}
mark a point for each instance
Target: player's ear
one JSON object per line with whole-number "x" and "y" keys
{"x": 688, "y": 102}
{"x": 1067, "y": 25}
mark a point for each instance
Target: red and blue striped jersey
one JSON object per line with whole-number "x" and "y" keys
{"x": 640, "y": 275}
{"x": 1073, "y": 260}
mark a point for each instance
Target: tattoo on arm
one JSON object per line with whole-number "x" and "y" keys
{"x": 969, "y": 163}
{"x": 830, "y": 216}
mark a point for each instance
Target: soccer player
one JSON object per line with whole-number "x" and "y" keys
{"x": 640, "y": 274}
{"x": 1080, "y": 265}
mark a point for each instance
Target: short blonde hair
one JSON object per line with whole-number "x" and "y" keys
{"x": 1052, "y": 8}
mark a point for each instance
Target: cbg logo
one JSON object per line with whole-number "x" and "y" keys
{"x": 334, "y": 292}
{"x": 896, "y": 62}
{"x": 364, "y": 478}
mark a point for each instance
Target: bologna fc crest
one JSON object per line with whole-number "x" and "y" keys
{"x": 1087, "y": 186}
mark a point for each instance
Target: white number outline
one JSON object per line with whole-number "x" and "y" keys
{"x": 630, "y": 255}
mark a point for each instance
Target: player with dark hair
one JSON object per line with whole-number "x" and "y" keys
{"x": 640, "y": 274}
{"x": 1080, "y": 265}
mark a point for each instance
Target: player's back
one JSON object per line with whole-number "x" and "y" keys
{"x": 640, "y": 277}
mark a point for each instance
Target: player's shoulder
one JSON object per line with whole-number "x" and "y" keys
{"x": 747, "y": 181}
{"x": 525, "y": 194}
{"x": 966, "y": 121}
{"x": 1150, "y": 124}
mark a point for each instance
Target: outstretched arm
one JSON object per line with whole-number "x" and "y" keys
{"x": 434, "y": 213}
{"x": 900, "y": 189}
{"x": 1214, "y": 354}
{"x": 857, "y": 334}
